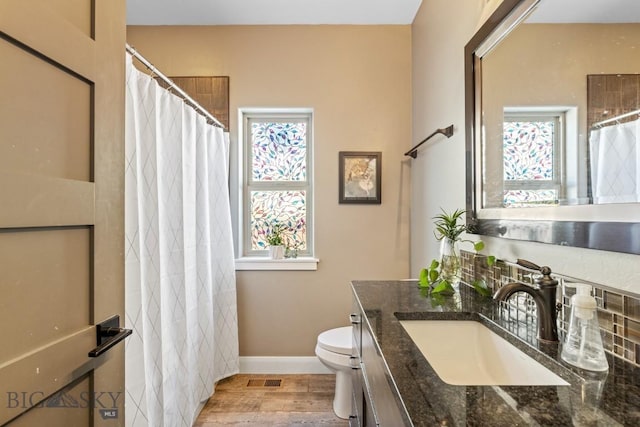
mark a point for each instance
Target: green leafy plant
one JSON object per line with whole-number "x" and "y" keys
{"x": 275, "y": 236}
{"x": 447, "y": 225}
{"x": 480, "y": 285}
{"x": 431, "y": 278}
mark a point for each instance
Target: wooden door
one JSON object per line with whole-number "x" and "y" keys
{"x": 61, "y": 210}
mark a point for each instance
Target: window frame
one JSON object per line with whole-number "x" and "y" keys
{"x": 258, "y": 259}
{"x": 559, "y": 137}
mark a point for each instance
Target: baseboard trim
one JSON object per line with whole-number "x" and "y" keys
{"x": 282, "y": 365}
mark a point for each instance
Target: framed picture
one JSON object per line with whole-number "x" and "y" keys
{"x": 360, "y": 177}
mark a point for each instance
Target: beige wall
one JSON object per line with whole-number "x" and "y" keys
{"x": 540, "y": 64}
{"x": 358, "y": 81}
{"x": 439, "y": 33}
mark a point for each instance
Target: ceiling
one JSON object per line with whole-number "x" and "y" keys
{"x": 345, "y": 12}
{"x": 582, "y": 11}
{"x": 270, "y": 12}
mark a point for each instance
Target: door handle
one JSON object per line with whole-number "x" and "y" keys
{"x": 108, "y": 334}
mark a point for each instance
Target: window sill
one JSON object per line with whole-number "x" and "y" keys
{"x": 262, "y": 263}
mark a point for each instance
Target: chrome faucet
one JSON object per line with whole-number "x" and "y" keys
{"x": 544, "y": 295}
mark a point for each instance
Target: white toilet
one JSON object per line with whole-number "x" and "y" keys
{"x": 334, "y": 351}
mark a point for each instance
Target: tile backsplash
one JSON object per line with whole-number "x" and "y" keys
{"x": 618, "y": 311}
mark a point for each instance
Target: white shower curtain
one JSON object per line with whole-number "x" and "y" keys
{"x": 615, "y": 163}
{"x": 180, "y": 279}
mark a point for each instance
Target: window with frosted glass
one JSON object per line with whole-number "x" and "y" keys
{"x": 283, "y": 207}
{"x": 528, "y": 150}
{"x": 279, "y": 151}
{"x": 531, "y": 164}
{"x": 525, "y": 198}
{"x": 278, "y": 180}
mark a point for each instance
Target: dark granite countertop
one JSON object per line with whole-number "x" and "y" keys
{"x": 612, "y": 399}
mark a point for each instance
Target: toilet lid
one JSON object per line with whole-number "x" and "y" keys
{"x": 336, "y": 340}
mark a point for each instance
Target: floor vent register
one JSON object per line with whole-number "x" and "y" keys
{"x": 264, "y": 383}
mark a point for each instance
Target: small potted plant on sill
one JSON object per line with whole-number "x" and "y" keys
{"x": 442, "y": 277}
{"x": 275, "y": 239}
{"x": 291, "y": 251}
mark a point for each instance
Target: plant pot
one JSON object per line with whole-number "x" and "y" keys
{"x": 291, "y": 253}
{"x": 276, "y": 252}
{"x": 450, "y": 268}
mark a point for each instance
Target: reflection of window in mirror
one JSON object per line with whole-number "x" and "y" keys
{"x": 532, "y": 159}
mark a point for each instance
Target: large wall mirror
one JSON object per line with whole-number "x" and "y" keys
{"x": 553, "y": 123}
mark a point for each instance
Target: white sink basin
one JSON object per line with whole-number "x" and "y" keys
{"x": 468, "y": 353}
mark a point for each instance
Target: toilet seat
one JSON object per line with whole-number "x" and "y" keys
{"x": 336, "y": 340}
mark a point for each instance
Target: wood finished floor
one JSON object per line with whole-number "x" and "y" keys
{"x": 300, "y": 400}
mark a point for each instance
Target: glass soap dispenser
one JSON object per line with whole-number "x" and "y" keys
{"x": 583, "y": 343}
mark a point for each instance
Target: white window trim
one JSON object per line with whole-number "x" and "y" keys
{"x": 246, "y": 263}
{"x": 559, "y": 116}
{"x": 262, "y": 263}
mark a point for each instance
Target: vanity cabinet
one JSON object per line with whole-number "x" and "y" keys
{"x": 374, "y": 402}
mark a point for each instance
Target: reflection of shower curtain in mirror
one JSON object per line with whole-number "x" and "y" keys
{"x": 615, "y": 160}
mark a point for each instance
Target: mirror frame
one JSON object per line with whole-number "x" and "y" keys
{"x": 608, "y": 236}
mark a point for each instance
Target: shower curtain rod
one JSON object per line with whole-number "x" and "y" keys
{"x": 614, "y": 119}
{"x": 199, "y": 108}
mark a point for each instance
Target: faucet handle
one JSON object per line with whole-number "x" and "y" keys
{"x": 529, "y": 264}
{"x": 546, "y": 279}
